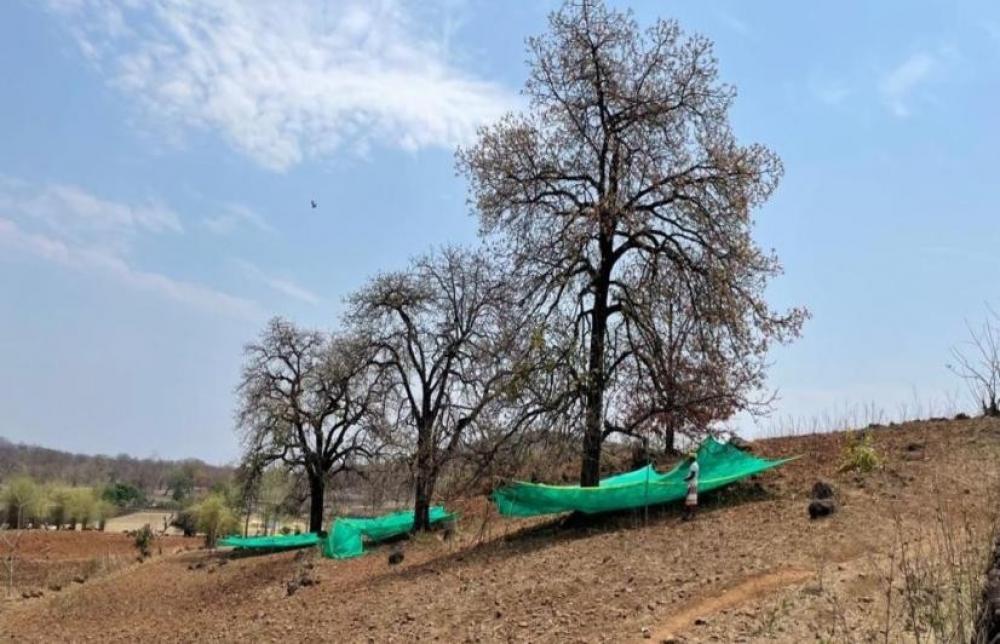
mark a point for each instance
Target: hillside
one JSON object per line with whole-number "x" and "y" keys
{"x": 45, "y": 464}
{"x": 906, "y": 546}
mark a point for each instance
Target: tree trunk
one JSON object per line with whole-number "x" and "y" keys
{"x": 317, "y": 487}
{"x": 669, "y": 434}
{"x": 424, "y": 482}
{"x": 246, "y": 524}
{"x": 422, "y": 506}
{"x": 593, "y": 432}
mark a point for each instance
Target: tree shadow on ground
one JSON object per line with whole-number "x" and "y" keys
{"x": 571, "y": 527}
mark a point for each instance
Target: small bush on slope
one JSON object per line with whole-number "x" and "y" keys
{"x": 860, "y": 454}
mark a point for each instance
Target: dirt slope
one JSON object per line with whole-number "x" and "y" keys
{"x": 752, "y": 567}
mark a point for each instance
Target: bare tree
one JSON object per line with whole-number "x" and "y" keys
{"x": 305, "y": 401}
{"x": 10, "y": 540}
{"x": 624, "y": 170}
{"x": 445, "y": 331}
{"x": 977, "y": 362}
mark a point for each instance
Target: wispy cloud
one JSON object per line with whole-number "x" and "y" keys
{"x": 74, "y": 214}
{"x": 898, "y": 85}
{"x": 72, "y": 228}
{"x": 290, "y": 80}
{"x": 79, "y": 258}
{"x": 283, "y": 285}
{"x": 234, "y": 216}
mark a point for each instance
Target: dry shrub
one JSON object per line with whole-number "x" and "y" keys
{"x": 941, "y": 579}
{"x": 930, "y": 577}
{"x": 144, "y": 541}
{"x": 935, "y": 579}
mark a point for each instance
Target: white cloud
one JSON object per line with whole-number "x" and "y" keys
{"x": 898, "y": 84}
{"x": 75, "y": 229}
{"x": 74, "y": 214}
{"x": 78, "y": 258}
{"x": 234, "y": 216}
{"x": 284, "y": 81}
{"x": 282, "y": 285}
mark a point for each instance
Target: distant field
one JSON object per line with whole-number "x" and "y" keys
{"x": 156, "y": 519}
{"x": 47, "y": 558}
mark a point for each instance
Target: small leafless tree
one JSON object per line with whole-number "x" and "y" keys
{"x": 622, "y": 177}
{"x": 10, "y": 540}
{"x": 446, "y": 331}
{"x": 977, "y": 362}
{"x": 306, "y": 400}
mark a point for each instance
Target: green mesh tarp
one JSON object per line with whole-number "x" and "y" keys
{"x": 277, "y": 542}
{"x": 348, "y": 533}
{"x": 719, "y": 464}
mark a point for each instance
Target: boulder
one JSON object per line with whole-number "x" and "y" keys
{"x": 821, "y": 508}
{"x": 740, "y": 444}
{"x": 822, "y": 490}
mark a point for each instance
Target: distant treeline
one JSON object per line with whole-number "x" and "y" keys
{"x": 150, "y": 475}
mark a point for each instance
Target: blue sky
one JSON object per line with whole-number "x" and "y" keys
{"x": 157, "y": 163}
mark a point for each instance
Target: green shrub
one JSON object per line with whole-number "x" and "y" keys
{"x": 215, "y": 519}
{"x": 859, "y": 454}
{"x": 82, "y": 506}
{"x": 144, "y": 541}
{"x": 25, "y": 502}
{"x": 124, "y": 495}
{"x": 58, "y": 506}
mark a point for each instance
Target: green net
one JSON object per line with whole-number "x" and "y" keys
{"x": 347, "y": 534}
{"x": 719, "y": 464}
{"x": 346, "y": 537}
{"x": 277, "y": 542}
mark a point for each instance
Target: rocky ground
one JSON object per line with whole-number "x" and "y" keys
{"x": 752, "y": 567}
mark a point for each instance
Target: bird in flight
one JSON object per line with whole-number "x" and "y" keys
{"x": 313, "y": 202}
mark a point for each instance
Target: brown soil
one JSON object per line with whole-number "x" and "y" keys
{"x": 751, "y": 567}
{"x": 47, "y": 559}
{"x": 743, "y": 592}
{"x": 61, "y": 545}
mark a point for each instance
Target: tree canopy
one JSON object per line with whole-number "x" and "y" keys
{"x": 623, "y": 198}
{"x": 305, "y": 400}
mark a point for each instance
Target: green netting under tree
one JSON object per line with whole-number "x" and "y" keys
{"x": 347, "y": 534}
{"x": 719, "y": 464}
{"x": 277, "y": 542}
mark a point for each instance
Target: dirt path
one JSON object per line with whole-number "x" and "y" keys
{"x": 745, "y": 591}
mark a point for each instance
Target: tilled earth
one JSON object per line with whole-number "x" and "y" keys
{"x": 751, "y": 567}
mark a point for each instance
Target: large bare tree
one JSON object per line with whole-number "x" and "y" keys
{"x": 307, "y": 400}
{"x": 622, "y": 175}
{"x": 446, "y": 332}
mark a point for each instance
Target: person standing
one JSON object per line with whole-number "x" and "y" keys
{"x": 691, "y": 500}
